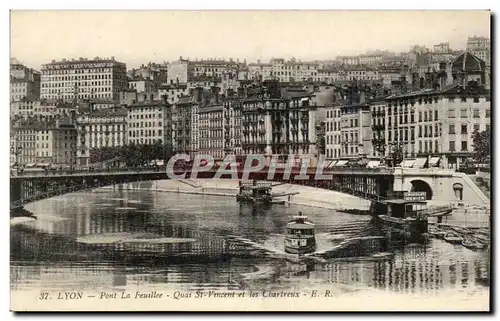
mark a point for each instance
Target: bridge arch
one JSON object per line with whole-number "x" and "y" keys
{"x": 418, "y": 185}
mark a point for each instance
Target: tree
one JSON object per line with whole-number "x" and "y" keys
{"x": 397, "y": 154}
{"x": 482, "y": 148}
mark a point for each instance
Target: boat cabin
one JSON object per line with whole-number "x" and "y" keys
{"x": 299, "y": 238}
{"x": 255, "y": 189}
{"x": 405, "y": 208}
{"x": 300, "y": 229}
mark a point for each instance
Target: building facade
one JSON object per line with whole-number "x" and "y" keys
{"x": 211, "y": 131}
{"x": 232, "y": 126}
{"x": 150, "y": 122}
{"x": 24, "y": 82}
{"x": 333, "y": 146}
{"x": 83, "y": 79}
{"x": 182, "y": 117}
{"x": 480, "y": 47}
{"x": 278, "y": 124}
{"x": 98, "y": 129}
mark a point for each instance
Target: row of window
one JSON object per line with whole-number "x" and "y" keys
{"x": 144, "y": 133}
{"x": 144, "y": 124}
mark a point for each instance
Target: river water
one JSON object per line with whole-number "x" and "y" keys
{"x": 71, "y": 247}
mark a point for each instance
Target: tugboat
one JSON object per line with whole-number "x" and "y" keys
{"x": 300, "y": 237}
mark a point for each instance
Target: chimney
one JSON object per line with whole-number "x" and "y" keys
{"x": 177, "y": 80}
{"x": 362, "y": 96}
{"x": 199, "y": 94}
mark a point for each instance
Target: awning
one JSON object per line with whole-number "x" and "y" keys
{"x": 434, "y": 161}
{"x": 373, "y": 164}
{"x": 332, "y": 164}
{"x": 420, "y": 162}
{"x": 43, "y": 164}
{"x": 407, "y": 163}
{"x": 341, "y": 163}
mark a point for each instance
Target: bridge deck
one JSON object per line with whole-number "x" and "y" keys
{"x": 177, "y": 170}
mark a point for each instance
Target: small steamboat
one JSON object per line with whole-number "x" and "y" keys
{"x": 259, "y": 192}
{"x": 300, "y": 238}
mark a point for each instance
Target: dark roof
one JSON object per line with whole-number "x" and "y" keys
{"x": 186, "y": 100}
{"x": 207, "y": 109}
{"x": 300, "y": 226}
{"x": 121, "y": 112}
{"x": 468, "y": 62}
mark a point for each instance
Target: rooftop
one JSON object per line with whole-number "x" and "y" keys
{"x": 468, "y": 62}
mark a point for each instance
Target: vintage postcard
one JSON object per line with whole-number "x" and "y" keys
{"x": 250, "y": 160}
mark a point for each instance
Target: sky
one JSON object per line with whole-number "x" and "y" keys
{"x": 137, "y": 37}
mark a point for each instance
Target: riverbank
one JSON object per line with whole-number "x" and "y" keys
{"x": 308, "y": 196}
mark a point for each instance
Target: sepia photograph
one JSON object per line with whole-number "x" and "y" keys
{"x": 298, "y": 161}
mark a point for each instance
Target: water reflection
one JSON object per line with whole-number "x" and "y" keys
{"x": 124, "y": 240}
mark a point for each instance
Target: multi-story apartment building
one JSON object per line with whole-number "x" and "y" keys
{"x": 182, "y": 117}
{"x": 214, "y": 67}
{"x": 355, "y": 125}
{"x": 259, "y": 71}
{"x": 152, "y": 71}
{"x": 46, "y": 109}
{"x": 45, "y": 142}
{"x": 142, "y": 85}
{"x": 388, "y": 75}
{"x": 437, "y": 124}
{"x": 361, "y": 73}
{"x": 173, "y": 92}
{"x": 24, "y": 108}
{"x": 100, "y": 128}
{"x": 370, "y": 59}
{"x": 178, "y": 71}
{"x": 229, "y": 81}
{"x": 278, "y": 124}
{"x": 284, "y": 71}
{"x": 480, "y": 47}
{"x": 333, "y": 146}
{"x": 83, "y": 79}
{"x": 23, "y": 135}
{"x": 150, "y": 122}
{"x": 232, "y": 125}
{"x": 185, "y": 70}
{"x": 349, "y": 60}
{"x": 211, "y": 130}
{"x": 24, "y": 82}
{"x": 329, "y": 76}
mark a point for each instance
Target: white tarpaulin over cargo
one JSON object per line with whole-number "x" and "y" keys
{"x": 420, "y": 162}
{"x": 373, "y": 164}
